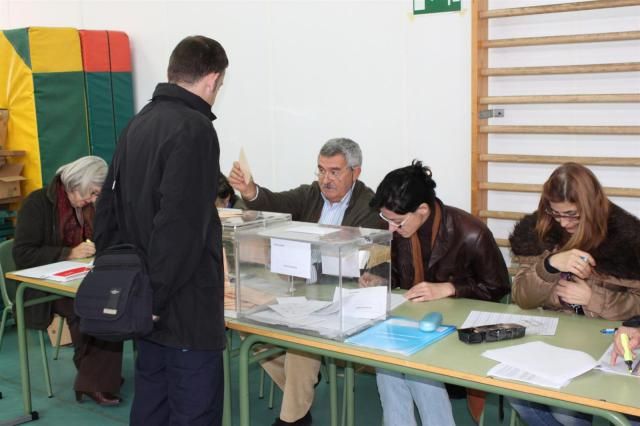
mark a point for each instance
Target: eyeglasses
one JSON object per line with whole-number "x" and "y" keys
{"x": 333, "y": 174}
{"x": 393, "y": 223}
{"x": 557, "y": 215}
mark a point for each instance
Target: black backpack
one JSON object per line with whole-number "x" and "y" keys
{"x": 114, "y": 301}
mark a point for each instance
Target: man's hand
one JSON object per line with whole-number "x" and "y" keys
{"x": 576, "y": 292}
{"x": 82, "y": 250}
{"x": 371, "y": 280}
{"x": 236, "y": 180}
{"x": 634, "y": 342}
{"x": 425, "y": 291}
{"x": 577, "y": 262}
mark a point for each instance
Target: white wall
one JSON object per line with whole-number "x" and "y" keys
{"x": 304, "y": 71}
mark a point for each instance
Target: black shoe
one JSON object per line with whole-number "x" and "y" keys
{"x": 304, "y": 421}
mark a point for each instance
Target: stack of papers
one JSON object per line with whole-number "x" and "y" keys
{"x": 61, "y": 271}
{"x": 399, "y": 335}
{"x": 540, "y": 364}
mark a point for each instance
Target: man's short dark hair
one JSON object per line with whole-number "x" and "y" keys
{"x": 403, "y": 190}
{"x": 194, "y": 57}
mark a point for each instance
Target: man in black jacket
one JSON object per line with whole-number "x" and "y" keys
{"x": 164, "y": 176}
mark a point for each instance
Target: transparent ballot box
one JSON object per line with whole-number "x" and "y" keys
{"x": 234, "y": 220}
{"x": 310, "y": 277}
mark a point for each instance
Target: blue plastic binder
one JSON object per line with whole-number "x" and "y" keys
{"x": 399, "y": 335}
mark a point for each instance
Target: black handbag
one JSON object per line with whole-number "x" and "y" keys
{"x": 114, "y": 301}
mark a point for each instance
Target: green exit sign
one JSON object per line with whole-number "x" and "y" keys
{"x": 435, "y": 6}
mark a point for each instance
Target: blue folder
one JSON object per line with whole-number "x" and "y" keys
{"x": 399, "y": 335}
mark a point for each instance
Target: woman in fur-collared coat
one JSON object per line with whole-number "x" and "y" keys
{"x": 579, "y": 252}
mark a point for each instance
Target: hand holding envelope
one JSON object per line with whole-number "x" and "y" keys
{"x": 240, "y": 177}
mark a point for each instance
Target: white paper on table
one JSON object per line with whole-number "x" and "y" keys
{"x": 366, "y": 302}
{"x": 46, "y": 271}
{"x": 244, "y": 166}
{"x": 504, "y": 371}
{"x": 396, "y": 300}
{"x": 291, "y": 258}
{"x": 620, "y": 367}
{"x": 541, "y": 359}
{"x": 535, "y": 325}
{"x": 294, "y": 310}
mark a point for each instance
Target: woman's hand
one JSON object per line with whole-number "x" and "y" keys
{"x": 578, "y": 262}
{"x": 82, "y": 250}
{"x": 236, "y": 180}
{"x": 576, "y": 292}
{"x": 425, "y": 291}
{"x": 634, "y": 342}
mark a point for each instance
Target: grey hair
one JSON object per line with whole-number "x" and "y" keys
{"x": 83, "y": 173}
{"x": 347, "y": 147}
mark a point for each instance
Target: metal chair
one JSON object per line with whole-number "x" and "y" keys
{"x": 8, "y": 287}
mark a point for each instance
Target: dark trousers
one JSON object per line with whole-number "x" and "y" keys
{"x": 99, "y": 363}
{"x": 177, "y": 386}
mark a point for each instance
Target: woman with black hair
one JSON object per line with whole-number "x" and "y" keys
{"x": 437, "y": 251}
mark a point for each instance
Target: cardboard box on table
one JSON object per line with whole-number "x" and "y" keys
{"x": 10, "y": 178}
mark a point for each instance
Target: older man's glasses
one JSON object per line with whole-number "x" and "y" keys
{"x": 393, "y": 223}
{"x": 572, "y": 215}
{"x": 333, "y": 174}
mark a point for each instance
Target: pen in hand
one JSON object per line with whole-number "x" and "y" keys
{"x": 628, "y": 355}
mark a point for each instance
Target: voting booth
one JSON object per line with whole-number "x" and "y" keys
{"x": 322, "y": 280}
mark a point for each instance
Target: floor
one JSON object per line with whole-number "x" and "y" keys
{"x": 62, "y": 409}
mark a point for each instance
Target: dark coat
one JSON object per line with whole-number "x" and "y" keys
{"x": 464, "y": 253}
{"x": 615, "y": 285}
{"x": 305, "y": 203}
{"x": 168, "y": 160}
{"x": 38, "y": 242}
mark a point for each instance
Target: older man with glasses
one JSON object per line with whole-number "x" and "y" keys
{"x": 336, "y": 198}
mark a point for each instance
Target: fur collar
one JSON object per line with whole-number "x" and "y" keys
{"x": 618, "y": 255}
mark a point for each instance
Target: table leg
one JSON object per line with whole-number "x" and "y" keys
{"x": 333, "y": 391}
{"x": 349, "y": 377}
{"x": 22, "y": 348}
{"x": 226, "y": 405}
{"x": 243, "y": 378}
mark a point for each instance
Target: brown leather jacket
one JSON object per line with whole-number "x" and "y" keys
{"x": 464, "y": 253}
{"x": 615, "y": 284}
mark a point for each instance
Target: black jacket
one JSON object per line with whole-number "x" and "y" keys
{"x": 37, "y": 242}
{"x": 168, "y": 164}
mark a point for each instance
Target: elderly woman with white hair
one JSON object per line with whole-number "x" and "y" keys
{"x": 55, "y": 223}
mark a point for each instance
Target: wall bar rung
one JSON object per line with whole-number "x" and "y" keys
{"x": 563, "y": 39}
{"x": 562, "y": 69}
{"x": 556, "y": 8}
{"x": 573, "y": 130}
{"x": 496, "y": 214}
{"x": 556, "y": 159}
{"x": 528, "y": 187}
{"x": 561, "y": 99}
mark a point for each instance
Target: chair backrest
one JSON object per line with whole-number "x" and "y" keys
{"x": 7, "y": 264}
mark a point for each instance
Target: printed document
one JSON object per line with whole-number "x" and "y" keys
{"x": 543, "y": 326}
{"x": 551, "y": 363}
{"x": 504, "y": 371}
{"x": 60, "y": 271}
{"x": 291, "y": 258}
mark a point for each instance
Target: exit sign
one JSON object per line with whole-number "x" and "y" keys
{"x": 435, "y": 6}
